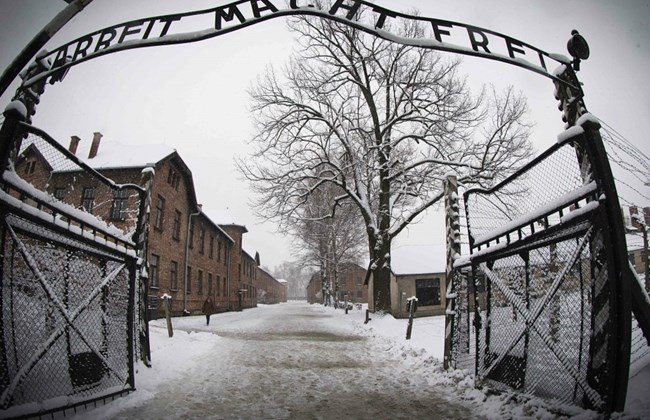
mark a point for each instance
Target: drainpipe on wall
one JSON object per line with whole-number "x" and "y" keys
{"x": 187, "y": 251}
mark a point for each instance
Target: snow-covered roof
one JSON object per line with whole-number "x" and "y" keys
{"x": 217, "y": 227}
{"x": 418, "y": 259}
{"x": 246, "y": 253}
{"x": 112, "y": 154}
{"x": 281, "y": 280}
{"x": 634, "y": 241}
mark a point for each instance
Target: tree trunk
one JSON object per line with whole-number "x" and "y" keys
{"x": 381, "y": 276}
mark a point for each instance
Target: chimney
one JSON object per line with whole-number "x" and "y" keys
{"x": 94, "y": 147}
{"x": 635, "y": 217}
{"x": 74, "y": 143}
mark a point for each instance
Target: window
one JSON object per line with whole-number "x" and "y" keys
{"x": 211, "y": 247}
{"x": 427, "y": 291}
{"x": 209, "y": 284}
{"x": 88, "y": 199}
{"x": 218, "y": 286}
{"x": 154, "y": 262}
{"x": 118, "y": 212}
{"x": 359, "y": 294}
{"x": 223, "y": 283}
{"x": 160, "y": 213}
{"x": 59, "y": 193}
{"x": 189, "y": 280}
{"x": 218, "y": 250}
{"x": 191, "y": 241}
{"x": 173, "y": 178}
{"x": 359, "y": 281}
{"x": 202, "y": 239}
{"x": 173, "y": 275}
{"x": 31, "y": 167}
{"x": 176, "y": 230}
{"x": 199, "y": 282}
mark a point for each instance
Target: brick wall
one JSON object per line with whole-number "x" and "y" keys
{"x": 351, "y": 279}
{"x": 270, "y": 290}
{"x": 220, "y": 259}
{"x": 314, "y": 287}
{"x": 236, "y": 270}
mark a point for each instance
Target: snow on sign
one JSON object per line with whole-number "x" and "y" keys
{"x": 198, "y": 25}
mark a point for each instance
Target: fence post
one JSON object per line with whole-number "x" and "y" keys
{"x": 618, "y": 266}
{"x": 167, "y": 300}
{"x": 452, "y": 222}
{"x": 141, "y": 239}
{"x": 367, "y": 316}
{"x": 412, "y": 304}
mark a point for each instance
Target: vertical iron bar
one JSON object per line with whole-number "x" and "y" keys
{"x": 450, "y": 187}
{"x": 620, "y": 298}
{"x": 526, "y": 258}
{"x": 4, "y": 377}
{"x": 132, "y": 267}
{"x": 582, "y": 323}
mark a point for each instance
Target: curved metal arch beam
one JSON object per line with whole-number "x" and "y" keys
{"x": 478, "y": 40}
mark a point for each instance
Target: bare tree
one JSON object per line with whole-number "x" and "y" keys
{"x": 296, "y": 276}
{"x": 327, "y": 240}
{"x": 382, "y": 122}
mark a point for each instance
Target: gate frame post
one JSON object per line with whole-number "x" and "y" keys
{"x": 13, "y": 118}
{"x": 452, "y": 222}
{"x": 618, "y": 265}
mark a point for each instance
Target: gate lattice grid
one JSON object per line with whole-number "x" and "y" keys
{"x": 68, "y": 280}
{"x": 534, "y": 307}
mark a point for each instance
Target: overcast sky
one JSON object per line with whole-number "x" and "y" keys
{"x": 193, "y": 96}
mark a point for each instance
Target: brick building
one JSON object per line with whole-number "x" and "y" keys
{"x": 190, "y": 257}
{"x": 350, "y": 280}
{"x": 635, "y": 224}
{"x": 270, "y": 290}
{"x": 282, "y": 290}
{"x": 315, "y": 289}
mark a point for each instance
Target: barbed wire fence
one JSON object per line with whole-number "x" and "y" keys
{"x": 631, "y": 169}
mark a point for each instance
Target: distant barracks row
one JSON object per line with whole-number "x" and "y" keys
{"x": 186, "y": 250}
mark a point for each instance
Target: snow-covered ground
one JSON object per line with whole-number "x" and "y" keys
{"x": 296, "y": 360}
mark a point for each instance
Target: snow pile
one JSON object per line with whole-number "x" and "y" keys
{"x": 171, "y": 359}
{"x": 424, "y": 351}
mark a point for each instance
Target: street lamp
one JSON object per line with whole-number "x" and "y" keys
{"x": 578, "y": 48}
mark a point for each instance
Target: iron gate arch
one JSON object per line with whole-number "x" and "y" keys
{"x": 153, "y": 31}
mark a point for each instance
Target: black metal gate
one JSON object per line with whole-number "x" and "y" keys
{"x": 543, "y": 297}
{"x": 69, "y": 279}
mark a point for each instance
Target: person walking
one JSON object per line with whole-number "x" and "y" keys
{"x": 208, "y": 309}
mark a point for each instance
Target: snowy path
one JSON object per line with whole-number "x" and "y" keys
{"x": 300, "y": 361}
{"x": 290, "y": 361}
